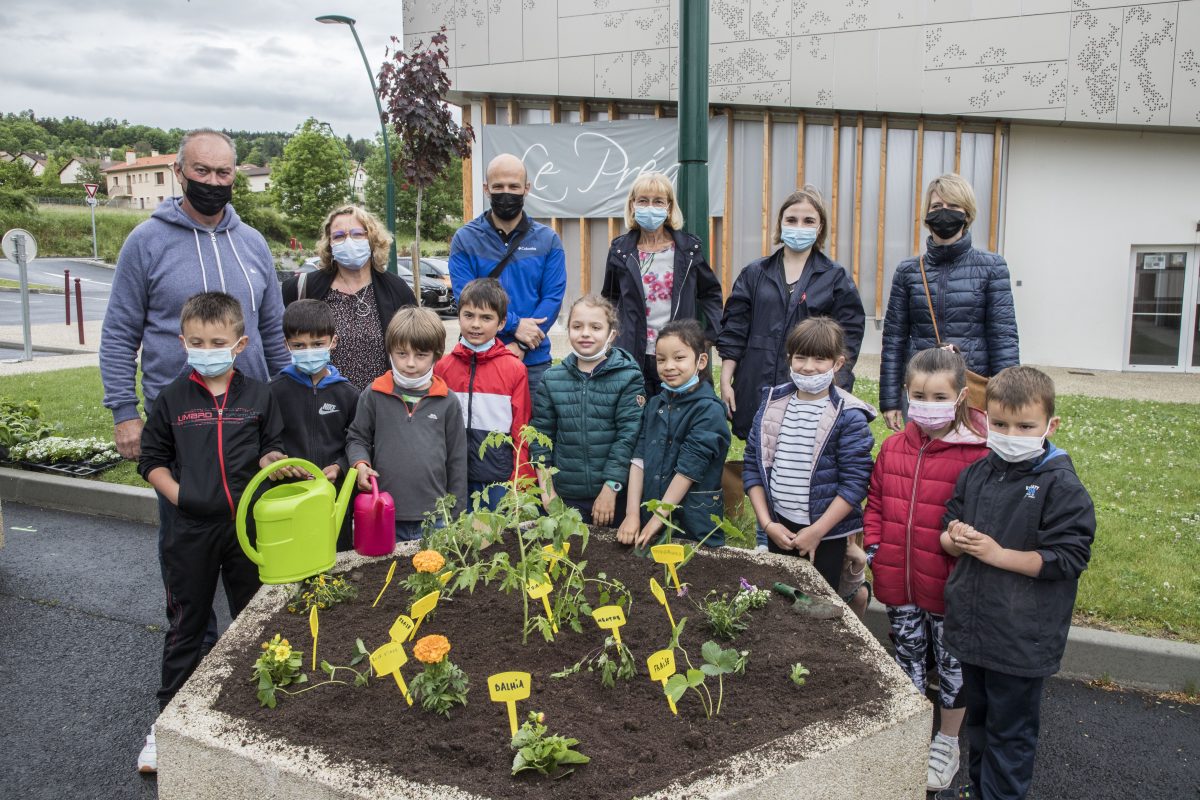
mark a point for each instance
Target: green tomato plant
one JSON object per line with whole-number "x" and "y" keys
{"x": 546, "y": 754}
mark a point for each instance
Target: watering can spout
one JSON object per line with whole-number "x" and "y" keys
{"x": 343, "y": 499}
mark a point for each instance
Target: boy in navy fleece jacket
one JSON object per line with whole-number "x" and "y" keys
{"x": 1021, "y": 525}
{"x": 317, "y": 402}
{"x": 208, "y": 434}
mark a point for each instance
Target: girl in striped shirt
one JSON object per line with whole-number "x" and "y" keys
{"x": 808, "y": 457}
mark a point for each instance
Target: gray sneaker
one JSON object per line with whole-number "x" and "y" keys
{"x": 943, "y": 765}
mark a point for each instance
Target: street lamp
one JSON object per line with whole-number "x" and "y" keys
{"x": 338, "y": 19}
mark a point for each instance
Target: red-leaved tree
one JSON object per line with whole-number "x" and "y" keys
{"x": 412, "y": 88}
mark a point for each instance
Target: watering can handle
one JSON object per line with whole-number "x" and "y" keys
{"x": 374, "y": 490}
{"x": 248, "y": 495}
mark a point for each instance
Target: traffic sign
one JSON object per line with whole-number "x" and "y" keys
{"x": 10, "y": 248}
{"x": 91, "y": 201}
{"x": 91, "y": 189}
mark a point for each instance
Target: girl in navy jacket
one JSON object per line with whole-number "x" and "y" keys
{"x": 808, "y": 458}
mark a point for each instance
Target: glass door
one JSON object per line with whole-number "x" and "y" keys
{"x": 1163, "y": 331}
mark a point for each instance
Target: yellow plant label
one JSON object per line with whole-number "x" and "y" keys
{"x": 421, "y": 607}
{"x": 387, "y": 660}
{"x": 402, "y": 628}
{"x": 445, "y": 577}
{"x": 669, "y": 554}
{"x": 312, "y": 627}
{"x": 540, "y": 590}
{"x": 656, "y": 589}
{"x": 662, "y": 666}
{"x": 387, "y": 582}
{"x": 508, "y": 688}
{"x": 610, "y": 618}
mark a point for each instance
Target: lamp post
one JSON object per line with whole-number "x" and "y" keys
{"x": 338, "y": 19}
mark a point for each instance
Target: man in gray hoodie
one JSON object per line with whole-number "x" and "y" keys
{"x": 189, "y": 245}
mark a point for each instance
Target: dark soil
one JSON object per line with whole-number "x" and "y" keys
{"x": 635, "y": 743}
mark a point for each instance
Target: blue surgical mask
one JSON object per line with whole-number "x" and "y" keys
{"x": 352, "y": 254}
{"x": 210, "y": 363}
{"x": 650, "y": 218}
{"x": 687, "y": 385}
{"x": 798, "y": 239}
{"x": 312, "y": 360}
{"x": 477, "y": 348}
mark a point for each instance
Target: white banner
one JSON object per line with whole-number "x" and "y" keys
{"x": 586, "y": 170}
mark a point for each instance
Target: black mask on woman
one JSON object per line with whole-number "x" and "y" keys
{"x": 208, "y": 199}
{"x": 945, "y": 222}
{"x": 506, "y": 205}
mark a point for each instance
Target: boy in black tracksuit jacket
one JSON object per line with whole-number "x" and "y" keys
{"x": 1021, "y": 524}
{"x": 316, "y": 401}
{"x": 208, "y": 434}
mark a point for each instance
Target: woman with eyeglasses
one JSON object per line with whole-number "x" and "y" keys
{"x": 363, "y": 296}
{"x": 774, "y": 294}
{"x": 657, "y": 273}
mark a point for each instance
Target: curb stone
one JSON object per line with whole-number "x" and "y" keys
{"x": 1138, "y": 662}
{"x": 17, "y": 289}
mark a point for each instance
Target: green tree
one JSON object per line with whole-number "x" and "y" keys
{"x": 442, "y": 200}
{"x": 255, "y": 156}
{"x": 90, "y": 173}
{"x": 16, "y": 175}
{"x": 311, "y": 177}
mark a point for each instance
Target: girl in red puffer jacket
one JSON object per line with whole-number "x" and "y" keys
{"x": 913, "y": 478}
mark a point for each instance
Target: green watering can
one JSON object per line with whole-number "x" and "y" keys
{"x": 297, "y": 523}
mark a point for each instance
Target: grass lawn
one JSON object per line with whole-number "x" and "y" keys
{"x": 5, "y": 283}
{"x": 1139, "y": 460}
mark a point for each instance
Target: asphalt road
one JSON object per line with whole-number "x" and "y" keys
{"x": 80, "y": 641}
{"x": 95, "y": 282}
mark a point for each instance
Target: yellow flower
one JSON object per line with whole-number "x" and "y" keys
{"x": 285, "y": 643}
{"x": 282, "y": 652}
{"x": 431, "y": 649}
{"x": 266, "y": 646}
{"x": 428, "y": 561}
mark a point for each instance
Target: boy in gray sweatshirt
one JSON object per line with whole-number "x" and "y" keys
{"x": 408, "y": 429}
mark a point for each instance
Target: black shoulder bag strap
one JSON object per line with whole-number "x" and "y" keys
{"x": 512, "y": 248}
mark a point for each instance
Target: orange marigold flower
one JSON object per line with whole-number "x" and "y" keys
{"x": 428, "y": 561}
{"x": 431, "y": 649}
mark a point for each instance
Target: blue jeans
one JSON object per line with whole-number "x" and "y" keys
{"x": 535, "y": 372}
{"x": 491, "y": 494}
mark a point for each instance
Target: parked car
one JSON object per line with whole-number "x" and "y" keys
{"x": 435, "y": 292}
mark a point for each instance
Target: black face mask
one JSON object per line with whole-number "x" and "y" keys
{"x": 207, "y": 198}
{"x": 506, "y": 205}
{"x": 945, "y": 222}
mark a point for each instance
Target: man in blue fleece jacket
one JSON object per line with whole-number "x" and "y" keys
{"x": 189, "y": 245}
{"x": 535, "y": 277}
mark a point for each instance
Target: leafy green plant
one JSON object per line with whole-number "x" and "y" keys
{"x": 278, "y": 666}
{"x": 441, "y": 685}
{"x": 728, "y": 616}
{"x": 546, "y": 754}
{"x": 798, "y": 674}
{"x": 718, "y": 662}
{"x": 619, "y": 664}
{"x": 20, "y": 423}
{"x": 429, "y": 570}
{"x": 322, "y": 591}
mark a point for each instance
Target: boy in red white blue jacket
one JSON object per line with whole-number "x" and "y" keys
{"x": 492, "y": 386}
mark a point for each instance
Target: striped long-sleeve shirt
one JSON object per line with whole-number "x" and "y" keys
{"x": 794, "y": 458}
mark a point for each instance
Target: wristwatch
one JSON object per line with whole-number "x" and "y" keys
{"x": 616, "y": 487}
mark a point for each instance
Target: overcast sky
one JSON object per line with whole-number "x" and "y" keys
{"x": 240, "y": 64}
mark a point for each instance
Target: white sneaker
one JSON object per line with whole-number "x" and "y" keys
{"x": 943, "y": 764}
{"x": 148, "y": 758}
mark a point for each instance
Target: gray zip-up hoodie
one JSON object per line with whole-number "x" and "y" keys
{"x": 166, "y": 260}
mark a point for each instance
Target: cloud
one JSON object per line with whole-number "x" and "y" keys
{"x": 263, "y": 65}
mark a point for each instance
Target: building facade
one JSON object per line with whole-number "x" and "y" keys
{"x": 142, "y": 182}
{"x": 1077, "y": 122}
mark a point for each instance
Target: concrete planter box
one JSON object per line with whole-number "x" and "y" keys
{"x": 206, "y": 754}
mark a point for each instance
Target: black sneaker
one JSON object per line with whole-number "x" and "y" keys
{"x": 955, "y": 793}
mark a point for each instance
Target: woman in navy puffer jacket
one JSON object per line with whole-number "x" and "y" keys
{"x": 972, "y": 298}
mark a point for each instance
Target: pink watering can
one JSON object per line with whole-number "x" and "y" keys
{"x": 374, "y": 522}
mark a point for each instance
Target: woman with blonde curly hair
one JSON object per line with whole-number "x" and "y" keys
{"x": 353, "y": 249}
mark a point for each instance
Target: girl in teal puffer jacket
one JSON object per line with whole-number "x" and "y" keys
{"x": 590, "y": 406}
